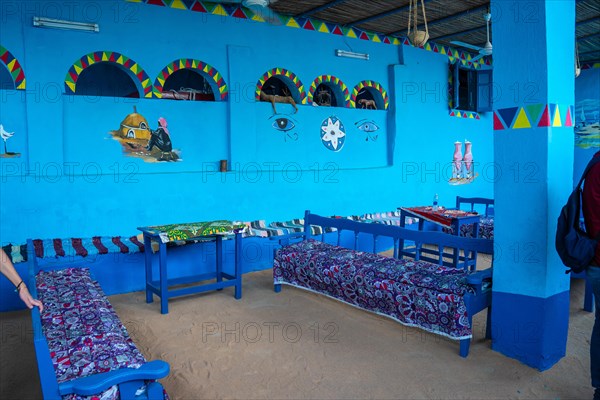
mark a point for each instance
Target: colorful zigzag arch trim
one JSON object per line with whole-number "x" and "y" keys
{"x": 373, "y": 85}
{"x": 332, "y": 80}
{"x": 285, "y": 73}
{"x": 14, "y": 68}
{"x": 203, "y": 68}
{"x": 111, "y": 57}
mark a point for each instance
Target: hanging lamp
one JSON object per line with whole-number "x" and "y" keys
{"x": 417, "y": 37}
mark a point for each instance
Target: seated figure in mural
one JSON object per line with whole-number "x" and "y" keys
{"x": 274, "y": 98}
{"x": 162, "y": 140}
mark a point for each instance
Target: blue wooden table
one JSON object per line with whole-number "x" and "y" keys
{"x": 161, "y": 286}
{"x": 446, "y": 218}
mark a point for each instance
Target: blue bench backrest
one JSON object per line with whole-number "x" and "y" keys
{"x": 401, "y": 236}
{"x": 488, "y": 203}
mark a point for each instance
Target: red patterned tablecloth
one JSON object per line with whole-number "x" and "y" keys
{"x": 442, "y": 216}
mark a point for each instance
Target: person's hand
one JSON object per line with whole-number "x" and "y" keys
{"x": 29, "y": 301}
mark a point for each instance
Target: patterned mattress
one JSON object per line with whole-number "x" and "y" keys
{"x": 84, "y": 334}
{"x": 414, "y": 293}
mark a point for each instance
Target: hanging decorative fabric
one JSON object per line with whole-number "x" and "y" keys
{"x": 417, "y": 37}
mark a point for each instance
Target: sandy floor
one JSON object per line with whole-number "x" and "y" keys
{"x": 300, "y": 345}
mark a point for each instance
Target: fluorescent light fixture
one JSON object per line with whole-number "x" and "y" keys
{"x": 351, "y": 54}
{"x": 63, "y": 24}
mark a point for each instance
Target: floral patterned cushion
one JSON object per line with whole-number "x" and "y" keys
{"x": 486, "y": 229}
{"x": 84, "y": 334}
{"x": 415, "y": 293}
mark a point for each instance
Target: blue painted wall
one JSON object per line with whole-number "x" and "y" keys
{"x": 73, "y": 179}
{"x": 587, "y": 104}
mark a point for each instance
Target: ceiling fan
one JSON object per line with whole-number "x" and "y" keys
{"x": 486, "y": 50}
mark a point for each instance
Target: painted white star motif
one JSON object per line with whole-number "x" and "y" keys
{"x": 333, "y": 134}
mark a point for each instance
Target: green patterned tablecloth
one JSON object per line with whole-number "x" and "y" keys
{"x": 173, "y": 232}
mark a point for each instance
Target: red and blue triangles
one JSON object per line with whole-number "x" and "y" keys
{"x": 188, "y": 3}
{"x": 21, "y": 76}
{"x": 239, "y": 13}
{"x": 508, "y": 115}
{"x": 198, "y": 7}
{"x": 337, "y": 30}
{"x": 545, "y": 120}
{"x": 568, "y": 119}
{"x": 309, "y": 26}
{"x": 497, "y": 123}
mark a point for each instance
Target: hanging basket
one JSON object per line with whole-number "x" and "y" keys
{"x": 418, "y": 38}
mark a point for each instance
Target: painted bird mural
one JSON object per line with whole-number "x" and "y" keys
{"x": 5, "y": 136}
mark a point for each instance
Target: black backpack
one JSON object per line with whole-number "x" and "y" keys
{"x": 575, "y": 248}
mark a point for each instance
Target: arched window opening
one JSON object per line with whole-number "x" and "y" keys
{"x": 6, "y": 80}
{"x": 326, "y": 96}
{"x": 187, "y": 84}
{"x": 277, "y": 87}
{"x": 370, "y": 99}
{"x": 106, "y": 79}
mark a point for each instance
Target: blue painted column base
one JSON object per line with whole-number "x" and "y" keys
{"x": 532, "y": 330}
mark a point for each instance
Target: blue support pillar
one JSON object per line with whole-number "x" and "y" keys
{"x": 533, "y": 150}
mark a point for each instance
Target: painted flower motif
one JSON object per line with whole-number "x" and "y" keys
{"x": 333, "y": 134}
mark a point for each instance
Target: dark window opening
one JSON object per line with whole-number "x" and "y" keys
{"x": 369, "y": 99}
{"x": 325, "y": 96}
{"x": 472, "y": 89}
{"x": 6, "y": 80}
{"x": 466, "y": 100}
{"x": 105, "y": 79}
{"x": 187, "y": 84}
{"x": 276, "y": 86}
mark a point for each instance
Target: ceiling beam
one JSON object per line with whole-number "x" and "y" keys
{"x": 315, "y": 10}
{"x": 587, "y": 53}
{"x": 449, "y": 18}
{"x": 382, "y": 15}
{"x": 590, "y": 36}
{"x": 472, "y": 30}
{"x": 585, "y": 21}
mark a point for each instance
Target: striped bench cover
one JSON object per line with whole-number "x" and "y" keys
{"x": 54, "y": 248}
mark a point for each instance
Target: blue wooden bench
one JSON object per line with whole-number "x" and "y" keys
{"x": 81, "y": 346}
{"x": 376, "y": 283}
